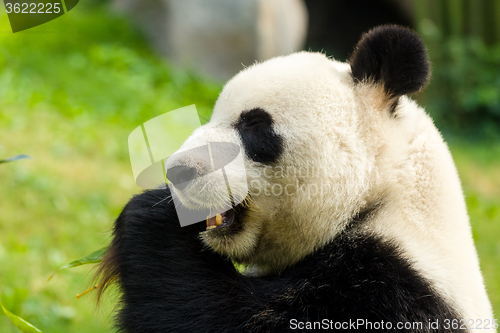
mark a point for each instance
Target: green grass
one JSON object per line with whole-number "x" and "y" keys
{"x": 479, "y": 169}
{"x": 71, "y": 91}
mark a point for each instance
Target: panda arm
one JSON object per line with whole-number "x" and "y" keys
{"x": 170, "y": 282}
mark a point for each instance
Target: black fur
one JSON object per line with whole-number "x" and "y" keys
{"x": 261, "y": 143}
{"x": 393, "y": 56}
{"x": 171, "y": 283}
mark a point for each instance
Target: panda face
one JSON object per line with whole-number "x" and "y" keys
{"x": 297, "y": 123}
{"x": 313, "y": 132}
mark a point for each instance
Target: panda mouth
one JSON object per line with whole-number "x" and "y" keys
{"x": 221, "y": 220}
{"x": 225, "y": 219}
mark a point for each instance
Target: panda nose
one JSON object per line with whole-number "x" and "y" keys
{"x": 179, "y": 175}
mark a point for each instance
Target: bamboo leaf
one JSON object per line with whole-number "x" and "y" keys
{"x": 15, "y": 158}
{"x": 20, "y": 323}
{"x": 93, "y": 258}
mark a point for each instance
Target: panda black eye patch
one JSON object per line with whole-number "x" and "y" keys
{"x": 261, "y": 143}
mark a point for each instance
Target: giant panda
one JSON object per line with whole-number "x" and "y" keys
{"x": 372, "y": 236}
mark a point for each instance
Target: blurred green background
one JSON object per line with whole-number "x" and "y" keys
{"x": 72, "y": 90}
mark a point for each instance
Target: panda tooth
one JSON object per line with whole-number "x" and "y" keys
{"x": 218, "y": 220}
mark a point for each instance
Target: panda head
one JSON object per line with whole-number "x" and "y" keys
{"x": 320, "y": 142}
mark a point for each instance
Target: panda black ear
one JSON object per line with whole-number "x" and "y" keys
{"x": 393, "y": 56}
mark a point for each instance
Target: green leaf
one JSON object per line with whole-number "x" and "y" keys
{"x": 15, "y": 158}
{"x": 93, "y": 258}
{"x": 20, "y": 323}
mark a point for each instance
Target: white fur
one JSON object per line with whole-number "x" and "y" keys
{"x": 357, "y": 154}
